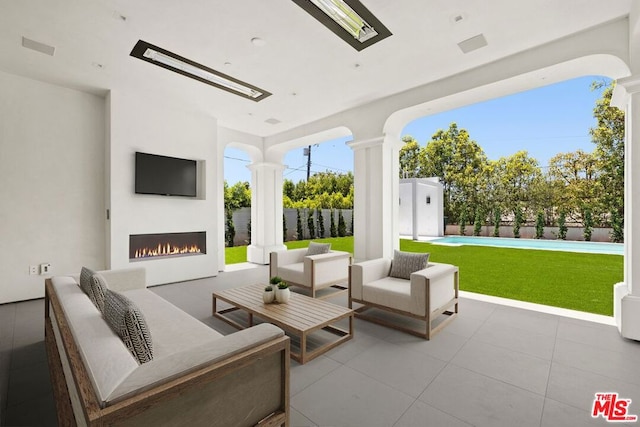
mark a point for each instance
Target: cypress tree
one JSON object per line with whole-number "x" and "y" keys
{"x": 342, "y": 226}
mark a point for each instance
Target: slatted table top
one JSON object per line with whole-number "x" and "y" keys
{"x": 300, "y": 314}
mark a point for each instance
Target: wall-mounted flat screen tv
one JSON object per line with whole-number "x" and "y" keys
{"x": 167, "y": 176}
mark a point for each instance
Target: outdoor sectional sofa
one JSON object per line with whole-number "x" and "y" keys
{"x": 196, "y": 376}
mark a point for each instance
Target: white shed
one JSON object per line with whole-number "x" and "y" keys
{"x": 421, "y": 207}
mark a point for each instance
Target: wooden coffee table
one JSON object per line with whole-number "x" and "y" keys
{"x": 300, "y": 317}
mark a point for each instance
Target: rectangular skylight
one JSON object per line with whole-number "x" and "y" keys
{"x": 348, "y": 19}
{"x": 171, "y": 61}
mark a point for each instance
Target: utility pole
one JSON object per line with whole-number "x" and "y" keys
{"x": 307, "y": 152}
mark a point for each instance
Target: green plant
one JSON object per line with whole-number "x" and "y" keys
{"x": 562, "y": 226}
{"x": 462, "y": 222}
{"x": 497, "y": 218}
{"x": 477, "y": 223}
{"x": 540, "y": 225}
{"x": 320, "y": 223}
{"x": 284, "y": 227}
{"x": 268, "y": 289}
{"x": 230, "y": 230}
{"x": 617, "y": 225}
{"x": 311, "y": 224}
{"x": 342, "y": 226}
{"x": 275, "y": 280}
{"x": 517, "y": 222}
{"x": 249, "y": 229}
{"x": 299, "y": 229}
{"x": 283, "y": 285}
{"x": 587, "y": 224}
{"x": 332, "y": 228}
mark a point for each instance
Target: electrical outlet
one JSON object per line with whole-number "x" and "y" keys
{"x": 33, "y": 269}
{"x": 45, "y": 268}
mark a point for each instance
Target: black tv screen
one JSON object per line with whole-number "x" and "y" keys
{"x": 168, "y": 176}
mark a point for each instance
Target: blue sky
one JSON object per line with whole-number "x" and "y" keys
{"x": 546, "y": 121}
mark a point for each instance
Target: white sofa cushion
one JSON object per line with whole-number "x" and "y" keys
{"x": 389, "y": 292}
{"x": 293, "y": 273}
{"x": 107, "y": 360}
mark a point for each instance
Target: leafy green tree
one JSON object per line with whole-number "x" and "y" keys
{"x": 497, "y": 219}
{"x": 320, "y": 223}
{"x": 608, "y": 137}
{"x": 562, "y": 226}
{"x": 519, "y": 175}
{"x": 237, "y": 196}
{"x": 458, "y": 161}
{"x": 410, "y": 158}
{"x": 575, "y": 176}
{"x": 540, "y": 225}
{"x": 342, "y": 226}
{"x": 311, "y": 224}
{"x": 299, "y": 228}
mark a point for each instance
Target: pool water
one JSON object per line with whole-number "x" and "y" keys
{"x": 549, "y": 245}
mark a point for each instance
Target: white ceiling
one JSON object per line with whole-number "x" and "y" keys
{"x": 309, "y": 70}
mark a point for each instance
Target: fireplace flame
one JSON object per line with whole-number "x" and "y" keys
{"x": 166, "y": 249}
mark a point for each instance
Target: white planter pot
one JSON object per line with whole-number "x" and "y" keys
{"x": 268, "y": 297}
{"x": 283, "y": 295}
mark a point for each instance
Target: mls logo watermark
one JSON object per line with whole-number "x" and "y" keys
{"x": 612, "y": 408}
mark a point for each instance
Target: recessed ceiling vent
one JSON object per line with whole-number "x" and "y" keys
{"x": 473, "y": 43}
{"x": 38, "y": 47}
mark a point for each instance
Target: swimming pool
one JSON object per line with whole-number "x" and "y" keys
{"x": 548, "y": 245}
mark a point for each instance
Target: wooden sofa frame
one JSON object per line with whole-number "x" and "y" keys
{"x": 126, "y": 411}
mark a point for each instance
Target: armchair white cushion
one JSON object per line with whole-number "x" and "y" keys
{"x": 428, "y": 294}
{"x": 311, "y": 272}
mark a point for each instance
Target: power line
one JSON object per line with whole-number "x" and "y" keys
{"x": 237, "y": 158}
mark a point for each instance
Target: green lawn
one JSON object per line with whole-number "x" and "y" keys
{"x": 570, "y": 280}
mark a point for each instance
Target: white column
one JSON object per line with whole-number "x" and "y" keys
{"x": 627, "y": 294}
{"x": 376, "y": 198}
{"x": 266, "y": 211}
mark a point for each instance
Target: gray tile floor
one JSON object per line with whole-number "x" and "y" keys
{"x": 494, "y": 365}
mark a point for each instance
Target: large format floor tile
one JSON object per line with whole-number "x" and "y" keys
{"x": 515, "y": 368}
{"x": 348, "y": 398}
{"x": 483, "y": 401}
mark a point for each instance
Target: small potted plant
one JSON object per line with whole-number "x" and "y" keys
{"x": 269, "y": 295}
{"x": 283, "y": 293}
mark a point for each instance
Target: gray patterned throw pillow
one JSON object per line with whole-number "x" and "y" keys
{"x": 126, "y": 319}
{"x": 405, "y": 263}
{"x": 99, "y": 288}
{"x": 318, "y": 248}
{"x": 85, "y": 282}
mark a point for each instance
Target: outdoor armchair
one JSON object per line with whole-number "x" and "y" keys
{"x": 312, "y": 272}
{"x": 427, "y": 295}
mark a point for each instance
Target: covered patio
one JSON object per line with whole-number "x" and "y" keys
{"x": 78, "y": 104}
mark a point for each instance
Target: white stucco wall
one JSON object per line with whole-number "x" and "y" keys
{"x": 51, "y": 183}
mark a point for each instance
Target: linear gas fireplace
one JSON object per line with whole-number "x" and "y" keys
{"x": 153, "y": 246}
